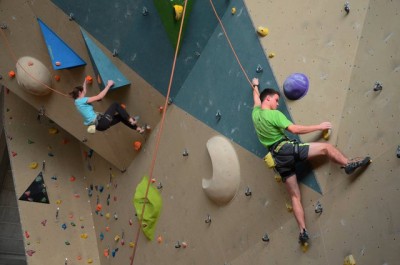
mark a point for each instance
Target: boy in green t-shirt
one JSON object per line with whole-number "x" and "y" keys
{"x": 270, "y": 125}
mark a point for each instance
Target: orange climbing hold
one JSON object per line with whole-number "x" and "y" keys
{"x": 57, "y": 78}
{"x": 137, "y": 145}
{"x": 89, "y": 79}
{"x": 99, "y": 207}
{"x": 11, "y": 74}
{"x": 123, "y": 105}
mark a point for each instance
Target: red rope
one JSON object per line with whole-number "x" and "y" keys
{"x": 153, "y": 161}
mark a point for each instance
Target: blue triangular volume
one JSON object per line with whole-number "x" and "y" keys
{"x": 62, "y": 56}
{"x": 105, "y": 70}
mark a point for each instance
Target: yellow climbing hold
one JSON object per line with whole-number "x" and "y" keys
{"x": 233, "y": 11}
{"x": 278, "y": 178}
{"x": 116, "y": 238}
{"x": 84, "y": 235}
{"x": 131, "y": 244}
{"x": 108, "y": 215}
{"x": 58, "y": 202}
{"x": 271, "y": 55}
{"x": 90, "y": 261}
{"x": 33, "y": 165}
{"x": 326, "y": 134}
{"x": 262, "y": 31}
{"x": 349, "y": 260}
{"x": 178, "y": 11}
{"x": 289, "y": 207}
{"x": 53, "y": 130}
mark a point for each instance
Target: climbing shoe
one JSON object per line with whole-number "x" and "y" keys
{"x": 356, "y": 163}
{"x": 303, "y": 237}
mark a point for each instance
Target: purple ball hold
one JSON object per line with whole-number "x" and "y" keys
{"x": 295, "y": 86}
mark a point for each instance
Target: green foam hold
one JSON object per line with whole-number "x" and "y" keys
{"x": 152, "y": 209}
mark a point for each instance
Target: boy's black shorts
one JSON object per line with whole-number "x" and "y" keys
{"x": 285, "y": 157}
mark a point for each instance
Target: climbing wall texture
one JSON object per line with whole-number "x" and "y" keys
{"x": 343, "y": 56}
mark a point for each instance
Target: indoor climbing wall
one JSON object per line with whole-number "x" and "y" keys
{"x": 220, "y": 204}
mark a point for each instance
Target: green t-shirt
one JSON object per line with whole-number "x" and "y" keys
{"x": 270, "y": 125}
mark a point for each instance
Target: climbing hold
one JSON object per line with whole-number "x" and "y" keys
{"x": 184, "y": 244}
{"x": 248, "y": 192}
{"x": 378, "y": 86}
{"x": 178, "y": 12}
{"x": 115, "y": 216}
{"x": 159, "y": 186}
{"x": 318, "y": 208}
{"x": 153, "y": 180}
{"x": 30, "y": 252}
{"x": 262, "y": 31}
{"x": 161, "y": 109}
{"x": 72, "y": 178}
{"x": 84, "y": 236}
{"x": 44, "y": 222}
{"x": 30, "y": 141}
{"x": 53, "y": 130}
{"x": 289, "y": 207}
{"x": 137, "y": 145}
{"x": 57, "y": 78}
{"x": 3, "y": 26}
{"x": 114, "y": 252}
{"x": 64, "y": 226}
{"x": 89, "y": 261}
{"x": 33, "y": 165}
{"x": 99, "y": 207}
{"x": 178, "y": 245}
{"x": 259, "y": 69}
{"x": 145, "y": 12}
{"x": 58, "y": 63}
{"x": 13, "y": 153}
{"x": 106, "y": 252}
{"x": 89, "y": 79}
{"x": 131, "y": 244}
{"x": 58, "y": 202}
{"x": 159, "y": 239}
{"x": 398, "y": 151}
{"x": 265, "y": 238}
{"x": 170, "y": 100}
{"x": 326, "y": 134}
{"x": 130, "y": 222}
{"x": 71, "y": 16}
{"x": 349, "y": 260}
{"x": 218, "y": 116}
{"x": 347, "y": 7}
{"x": 222, "y": 187}
{"x": 185, "y": 152}
{"x": 278, "y": 178}
{"x": 295, "y": 86}
{"x": 271, "y": 55}
{"x": 115, "y": 53}
{"x": 208, "y": 219}
{"x": 43, "y": 165}
{"x": 116, "y": 238}
{"x": 11, "y": 74}
{"x": 233, "y": 10}
{"x": 67, "y": 243}
{"x": 27, "y": 234}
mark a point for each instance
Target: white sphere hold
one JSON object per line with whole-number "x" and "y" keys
{"x": 33, "y": 76}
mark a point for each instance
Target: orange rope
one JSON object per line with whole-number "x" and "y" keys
{"x": 231, "y": 46}
{"x": 14, "y": 57}
{"x": 153, "y": 161}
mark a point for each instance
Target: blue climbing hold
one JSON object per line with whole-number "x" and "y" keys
{"x": 295, "y": 86}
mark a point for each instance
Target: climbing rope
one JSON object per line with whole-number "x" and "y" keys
{"x": 14, "y": 57}
{"x": 230, "y": 45}
{"x": 153, "y": 161}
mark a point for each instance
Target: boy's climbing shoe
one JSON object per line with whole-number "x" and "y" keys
{"x": 356, "y": 163}
{"x": 303, "y": 237}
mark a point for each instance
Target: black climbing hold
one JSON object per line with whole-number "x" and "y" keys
{"x": 208, "y": 219}
{"x": 347, "y": 7}
{"x": 398, "y": 151}
{"x": 318, "y": 208}
{"x": 378, "y": 86}
{"x": 265, "y": 238}
{"x": 145, "y": 12}
{"x": 259, "y": 69}
{"x": 248, "y": 191}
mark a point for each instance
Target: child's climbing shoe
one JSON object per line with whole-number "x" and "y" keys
{"x": 303, "y": 237}
{"x": 141, "y": 130}
{"x": 356, "y": 163}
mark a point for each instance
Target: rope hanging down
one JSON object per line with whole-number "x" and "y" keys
{"x": 153, "y": 161}
{"x": 230, "y": 44}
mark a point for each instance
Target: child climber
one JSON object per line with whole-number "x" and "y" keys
{"x": 101, "y": 121}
